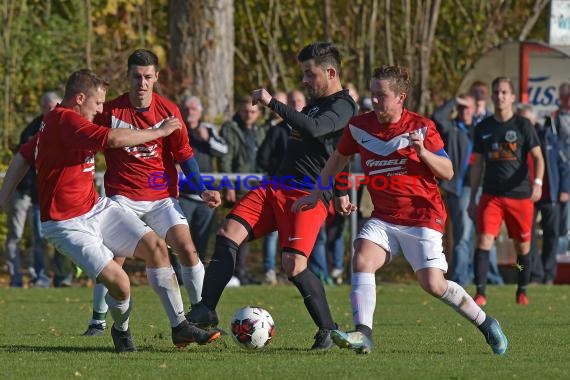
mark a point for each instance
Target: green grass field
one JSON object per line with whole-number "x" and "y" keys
{"x": 416, "y": 336}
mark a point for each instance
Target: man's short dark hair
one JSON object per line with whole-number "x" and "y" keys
{"x": 398, "y": 76}
{"x": 325, "y": 55}
{"x": 142, "y": 57}
{"x": 83, "y": 81}
{"x": 506, "y": 80}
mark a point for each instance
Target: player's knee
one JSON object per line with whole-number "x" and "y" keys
{"x": 233, "y": 230}
{"x": 152, "y": 250}
{"x": 293, "y": 263}
{"x": 116, "y": 281}
{"x": 434, "y": 285}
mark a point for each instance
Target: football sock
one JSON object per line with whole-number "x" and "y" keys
{"x": 315, "y": 299}
{"x": 99, "y": 305}
{"x": 193, "y": 278}
{"x": 163, "y": 282}
{"x": 481, "y": 267}
{"x": 219, "y": 271}
{"x": 363, "y": 298}
{"x": 456, "y": 297}
{"x": 523, "y": 276}
{"x": 120, "y": 312}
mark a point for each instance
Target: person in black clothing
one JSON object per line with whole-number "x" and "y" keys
{"x": 555, "y": 192}
{"x": 314, "y": 134}
{"x": 206, "y": 144}
{"x": 269, "y": 157}
{"x": 502, "y": 144}
{"x": 25, "y": 202}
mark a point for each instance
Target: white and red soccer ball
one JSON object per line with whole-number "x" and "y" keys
{"x": 252, "y": 327}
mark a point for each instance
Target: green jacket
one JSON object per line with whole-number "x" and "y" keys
{"x": 239, "y": 159}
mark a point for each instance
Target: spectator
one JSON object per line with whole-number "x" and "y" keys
{"x": 457, "y": 134}
{"x": 206, "y": 145}
{"x": 555, "y": 192}
{"x": 560, "y": 122}
{"x": 269, "y": 157}
{"x": 501, "y": 146}
{"x": 24, "y": 204}
{"x": 244, "y": 136}
{"x": 480, "y": 91}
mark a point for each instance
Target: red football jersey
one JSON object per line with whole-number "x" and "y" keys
{"x": 403, "y": 189}
{"x": 63, "y": 152}
{"x": 138, "y": 172}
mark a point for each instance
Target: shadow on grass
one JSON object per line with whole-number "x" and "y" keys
{"x": 34, "y": 348}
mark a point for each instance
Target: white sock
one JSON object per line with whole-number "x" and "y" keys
{"x": 456, "y": 297}
{"x": 193, "y": 279}
{"x": 363, "y": 298}
{"x": 99, "y": 293}
{"x": 120, "y": 311}
{"x": 163, "y": 281}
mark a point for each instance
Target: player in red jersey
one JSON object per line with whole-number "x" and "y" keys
{"x": 91, "y": 230}
{"x": 314, "y": 134}
{"x": 144, "y": 178}
{"x": 408, "y": 215}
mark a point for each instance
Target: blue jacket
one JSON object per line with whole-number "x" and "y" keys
{"x": 556, "y": 163}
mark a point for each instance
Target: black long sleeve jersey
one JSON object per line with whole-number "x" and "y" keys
{"x": 315, "y": 132}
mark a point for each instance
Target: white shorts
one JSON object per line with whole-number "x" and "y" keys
{"x": 92, "y": 240}
{"x": 160, "y": 215}
{"x": 422, "y": 246}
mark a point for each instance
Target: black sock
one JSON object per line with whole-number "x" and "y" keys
{"x": 523, "y": 278}
{"x": 315, "y": 299}
{"x": 365, "y": 330}
{"x": 481, "y": 268}
{"x": 219, "y": 272}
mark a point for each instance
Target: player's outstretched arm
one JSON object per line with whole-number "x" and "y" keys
{"x": 122, "y": 137}
{"x": 16, "y": 171}
{"x": 334, "y": 165}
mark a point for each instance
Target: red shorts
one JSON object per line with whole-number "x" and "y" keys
{"x": 265, "y": 210}
{"x": 517, "y": 213}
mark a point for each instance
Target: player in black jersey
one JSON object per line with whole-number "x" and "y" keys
{"x": 315, "y": 132}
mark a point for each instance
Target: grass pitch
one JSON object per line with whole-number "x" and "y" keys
{"x": 416, "y": 336}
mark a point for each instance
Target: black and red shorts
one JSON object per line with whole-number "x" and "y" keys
{"x": 264, "y": 210}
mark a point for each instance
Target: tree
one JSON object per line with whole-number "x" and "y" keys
{"x": 201, "y": 54}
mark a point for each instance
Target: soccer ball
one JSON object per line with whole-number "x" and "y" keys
{"x": 252, "y": 327}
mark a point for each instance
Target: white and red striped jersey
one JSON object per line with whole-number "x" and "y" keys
{"x": 133, "y": 171}
{"x": 403, "y": 189}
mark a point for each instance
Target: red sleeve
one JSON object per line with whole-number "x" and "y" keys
{"x": 103, "y": 119}
{"x": 80, "y": 134}
{"x": 28, "y": 150}
{"x": 178, "y": 143}
{"x": 433, "y": 141}
{"x": 347, "y": 146}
